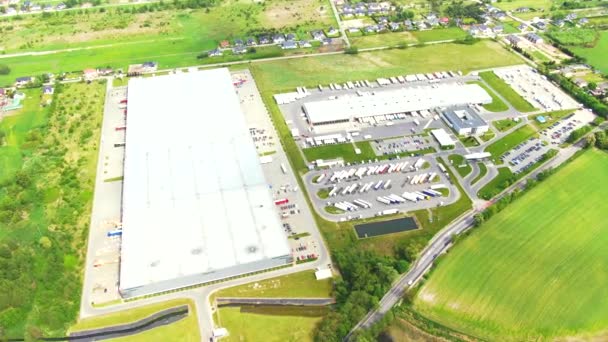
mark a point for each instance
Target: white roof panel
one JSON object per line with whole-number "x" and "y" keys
{"x": 194, "y": 199}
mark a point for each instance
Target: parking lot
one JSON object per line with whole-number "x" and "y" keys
{"x": 379, "y": 188}
{"x": 296, "y": 218}
{"x": 402, "y": 144}
{"x": 524, "y": 155}
{"x": 535, "y": 88}
{"x": 559, "y": 131}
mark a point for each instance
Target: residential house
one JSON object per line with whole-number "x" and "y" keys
{"x": 522, "y": 10}
{"x": 431, "y": 16}
{"x": 522, "y": 27}
{"x": 570, "y": 17}
{"x": 374, "y": 6}
{"x": 278, "y": 38}
{"x": 534, "y": 38}
{"x": 382, "y": 20}
{"x": 48, "y": 90}
{"x": 264, "y": 39}
{"x": 47, "y": 8}
{"x": 327, "y": 41}
{"x": 432, "y": 22}
{"x": 291, "y": 37}
{"x": 513, "y": 39}
{"x": 444, "y": 20}
{"x": 305, "y": 44}
{"x": 354, "y": 30}
{"x": 559, "y": 23}
{"x": 60, "y": 6}
{"x": 289, "y": 44}
{"x": 239, "y": 50}
{"x": 90, "y": 74}
{"x": 35, "y": 8}
{"x": 541, "y": 25}
{"x": 393, "y": 26}
{"x": 105, "y": 71}
{"x": 318, "y": 35}
{"x": 347, "y": 11}
{"x": 238, "y": 42}
{"x": 215, "y": 53}
{"x": 251, "y": 42}
{"x": 500, "y": 15}
{"x": 370, "y": 29}
{"x": 333, "y": 31}
{"x": 583, "y": 21}
{"x": 224, "y": 44}
{"x": 421, "y": 25}
{"x": 498, "y": 29}
{"x": 581, "y": 82}
{"x": 360, "y": 12}
{"x": 382, "y": 27}
{"x": 601, "y": 90}
{"x": 149, "y": 66}
{"x": 408, "y": 24}
{"x": 22, "y": 81}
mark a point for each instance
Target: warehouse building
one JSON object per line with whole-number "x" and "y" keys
{"x": 397, "y": 101}
{"x": 196, "y": 205}
{"x": 465, "y": 121}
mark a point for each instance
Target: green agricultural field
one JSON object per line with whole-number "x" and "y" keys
{"x": 536, "y": 275}
{"x": 539, "y": 7}
{"x": 288, "y": 74}
{"x": 596, "y": 55}
{"x": 45, "y": 205}
{"x": 575, "y": 36}
{"x": 301, "y": 284}
{"x": 346, "y": 151}
{"x": 264, "y": 323}
{"x": 506, "y": 92}
{"x": 497, "y": 105}
{"x": 457, "y": 161}
{"x": 499, "y": 147}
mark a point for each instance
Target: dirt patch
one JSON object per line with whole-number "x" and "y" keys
{"x": 290, "y": 13}
{"x": 356, "y": 23}
{"x": 427, "y": 297}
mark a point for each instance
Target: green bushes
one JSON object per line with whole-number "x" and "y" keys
{"x": 4, "y": 69}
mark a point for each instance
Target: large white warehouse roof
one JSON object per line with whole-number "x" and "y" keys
{"x": 196, "y": 206}
{"x": 401, "y": 100}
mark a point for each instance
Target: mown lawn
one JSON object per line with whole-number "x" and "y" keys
{"x": 535, "y": 271}
{"x": 550, "y": 118}
{"x": 301, "y": 284}
{"x": 596, "y": 56}
{"x": 439, "y": 34}
{"x": 502, "y": 88}
{"x": 460, "y": 164}
{"x": 383, "y": 39}
{"x": 248, "y": 323}
{"x": 483, "y": 169}
{"x": 499, "y": 147}
{"x": 497, "y": 105}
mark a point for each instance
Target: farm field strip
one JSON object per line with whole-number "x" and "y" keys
{"x": 535, "y": 275}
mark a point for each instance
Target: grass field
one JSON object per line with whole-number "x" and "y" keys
{"x": 468, "y": 141}
{"x": 185, "y": 329}
{"x": 172, "y": 37}
{"x": 383, "y": 39}
{"x": 506, "y": 92}
{"x": 541, "y": 7}
{"x": 439, "y": 34}
{"x": 596, "y": 56}
{"x": 457, "y": 160}
{"x": 537, "y": 275}
{"x": 487, "y": 136}
{"x": 497, "y": 105}
{"x": 497, "y": 183}
{"x": 301, "y": 284}
{"x": 499, "y": 147}
{"x": 503, "y": 125}
{"x": 270, "y": 323}
{"x": 346, "y": 151}
{"x": 550, "y": 117}
{"x": 288, "y": 74}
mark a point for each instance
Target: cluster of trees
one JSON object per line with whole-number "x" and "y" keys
{"x": 4, "y": 69}
{"x": 578, "y": 133}
{"x": 365, "y": 279}
{"x": 579, "y": 94}
{"x": 460, "y": 10}
{"x": 599, "y": 140}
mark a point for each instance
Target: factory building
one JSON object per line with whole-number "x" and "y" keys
{"x": 395, "y": 101}
{"x": 196, "y": 205}
{"x": 465, "y": 121}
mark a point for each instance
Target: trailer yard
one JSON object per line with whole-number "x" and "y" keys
{"x": 380, "y": 188}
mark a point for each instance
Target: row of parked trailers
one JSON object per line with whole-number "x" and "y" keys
{"x": 353, "y": 206}
{"x": 361, "y": 172}
{"x": 413, "y": 196}
{"x": 434, "y": 76}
